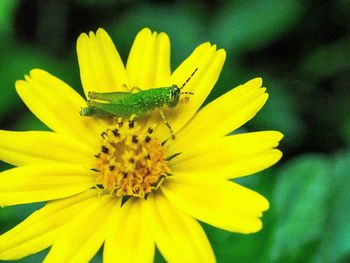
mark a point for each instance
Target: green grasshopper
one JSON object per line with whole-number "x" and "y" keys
{"x": 134, "y": 104}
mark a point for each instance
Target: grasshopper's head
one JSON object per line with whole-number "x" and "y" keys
{"x": 175, "y": 92}
{"x": 174, "y": 96}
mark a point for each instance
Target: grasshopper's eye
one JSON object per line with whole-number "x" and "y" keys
{"x": 175, "y": 91}
{"x": 174, "y": 96}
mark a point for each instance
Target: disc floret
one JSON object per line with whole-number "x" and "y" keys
{"x": 131, "y": 161}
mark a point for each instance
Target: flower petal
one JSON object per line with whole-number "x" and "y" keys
{"x": 220, "y": 203}
{"x": 36, "y": 183}
{"x": 101, "y": 68}
{"x": 179, "y": 237}
{"x": 129, "y": 238}
{"x": 40, "y": 229}
{"x": 84, "y": 235}
{"x": 209, "y": 63}
{"x": 234, "y": 108}
{"x": 230, "y": 156}
{"x": 35, "y": 147}
{"x": 148, "y": 64}
{"x": 57, "y": 105}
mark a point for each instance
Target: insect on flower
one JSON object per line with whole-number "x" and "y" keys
{"x": 135, "y": 104}
{"x": 86, "y": 167}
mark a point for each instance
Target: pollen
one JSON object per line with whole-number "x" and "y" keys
{"x": 131, "y": 161}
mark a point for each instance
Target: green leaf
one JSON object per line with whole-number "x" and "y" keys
{"x": 98, "y": 257}
{"x": 99, "y": 3}
{"x": 246, "y": 25}
{"x": 7, "y": 10}
{"x": 158, "y": 258}
{"x": 326, "y": 61}
{"x": 335, "y": 246}
{"x": 300, "y": 201}
{"x": 232, "y": 247}
{"x": 38, "y": 257}
{"x": 28, "y": 122}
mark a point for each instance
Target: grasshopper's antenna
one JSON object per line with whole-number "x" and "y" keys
{"x": 183, "y": 85}
{"x": 187, "y": 92}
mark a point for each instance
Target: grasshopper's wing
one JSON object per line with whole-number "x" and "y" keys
{"x": 115, "y": 109}
{"x": 112, "y": 97}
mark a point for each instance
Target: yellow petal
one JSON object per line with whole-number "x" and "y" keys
{"x": 246, "y": 166}
{"x": 224, "y": 114}
{"x": 148, "y": 64}
{"x": 37, "y": 183}
{"x": 218, "y": 202}
{"x": 57, "y": 105}
{"x": 40, "y": 229}
{"x": 35, "y": 147}
{"x": 179, "y": 237}
{"x": 101, "y": 68}
{"x": 230, "y": 156}
{"x": 129, "y": 238}
{"x": 79, "y": 240}
{"x": 209, "y": 63}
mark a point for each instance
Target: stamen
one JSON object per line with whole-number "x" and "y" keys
{"x": 134, "y": 139}
{"x": 116, "y": 132}
{"x": 103, "y": 135}
{"x": 104, "y": 149}
{"x": 131, "y": 162}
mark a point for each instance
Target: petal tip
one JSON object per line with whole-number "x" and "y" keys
{"x": 275, "y": 136}
{"x": 265, "y": 205}
{"x": 19, "y": 84}
{"x": 221, "y": 55}
{"x": 265, "y": 97}
{"x": 203, "y": 46}
{"x": 255, "y": 82}
{"x": 82, "y": 37}
{"x": 279, "y": 135}
{"x": 100, "y": 30}
{"x": 36, "y": 72}
{"x": 221, "y": 52}
{"x": 92, "y": 34}
{"x": 259, "y": 80}
{"x": 163, "y": 36}
{"x": 144, "y": 31}
{"x": 255, "y": 225}
{"x": 256, "y": 228}
{"x": 279, "y": 155}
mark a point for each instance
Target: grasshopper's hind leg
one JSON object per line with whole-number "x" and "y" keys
{"x": 162, "y": 115}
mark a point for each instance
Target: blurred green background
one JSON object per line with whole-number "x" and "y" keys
{"x": 300, "y": 48}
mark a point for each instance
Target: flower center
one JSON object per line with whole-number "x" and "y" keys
{"x": 131, "y": 162}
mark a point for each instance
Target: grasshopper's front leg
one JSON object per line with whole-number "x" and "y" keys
{"x": 132, "y": 90}
{"x": 162, "y": 115}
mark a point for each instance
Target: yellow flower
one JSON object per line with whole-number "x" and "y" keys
{"x": 87, "y": 167}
